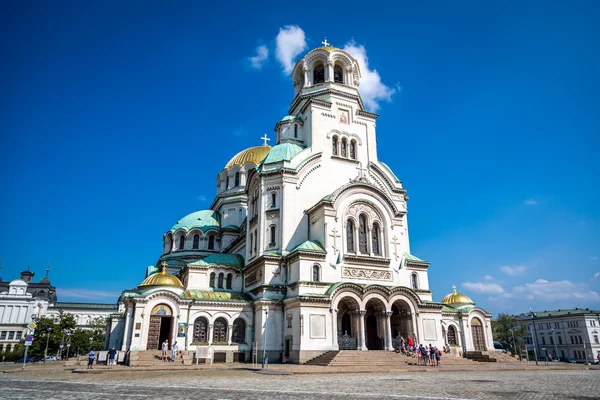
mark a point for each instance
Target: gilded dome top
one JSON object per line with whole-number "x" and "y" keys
{"x": 162, "y": 278}
{"x": 254, "y": 155}
{"x": 457, "y": 298}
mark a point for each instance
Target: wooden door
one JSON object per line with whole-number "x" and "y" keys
{"x": 154, "y": 333}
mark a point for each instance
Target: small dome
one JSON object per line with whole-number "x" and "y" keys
{"x": 283, "y": 152}
{"x": 203, "y": 220}
{"x": 457, "y": 298}
{"x": 290, "y": 118}
{"x": 254, "y": 155}
{"x": 162, "y": 278}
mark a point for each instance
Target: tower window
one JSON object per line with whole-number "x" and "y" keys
{"x": 221, "y": 280}
{"x": 196, "y": 243}
{"x": 375, "y": 239}
{"x": 316, "y": 274}
{"x": 272, "y": 231}
{"x": 237, "y": 179}
{"x": 319, "y": 74}
{"x": 229, "y": 280}
{"x": 181, "y": 242}
{"x": 273, "y": 200}
{"x": 350, "y": 236}
{"x": 338, "y": 74}
{"x": 362, "y": 234}
{"x": 295, "y": 131}
{"x": 414, "y": 281}
{"x": 344, "y": 149}
{"x": 353, "y": 149}
{"x": 211, "y": 242}
{"x": 211, "y": 283}
{"x": 334, "y": 146}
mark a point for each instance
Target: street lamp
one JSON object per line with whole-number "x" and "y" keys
{"x": 265, "y": 360}
{"x": 68, "y": 333}
{"x": 554, "y": 340}
{"x": 47, "y": 340}
{"x": 514, "y": 342}
{"x": 534, "y": 337}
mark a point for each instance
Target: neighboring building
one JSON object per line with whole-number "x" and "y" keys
{"x": 312, "y": 231}
{"x": 573, "y": 333}
{"x": 22, "y": 299}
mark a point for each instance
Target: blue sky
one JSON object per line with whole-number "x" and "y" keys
{"x": 116, "y": 118}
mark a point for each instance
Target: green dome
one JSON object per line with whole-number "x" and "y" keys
{"x": 282, "y": 152}
{"x": 290, "y": 118}
{"x": 226, "y": 260}
{"x": 203, "y": 220}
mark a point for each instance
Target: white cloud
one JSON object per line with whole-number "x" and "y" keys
{"x": 482, "y": 287}
{"x": 593, "y": 258}
{"x": 545, "y": 290}
{"x": 488, "y": 278}
{"x": 531, "y": 202}
{"x": 595, "y": 276}
{"x": 372, "y": 90}
{"x": 87, "y": 294}
{"x": 513, "y": 271}
{"x": 260, "y": 59}
{"x": 290, "y": 42}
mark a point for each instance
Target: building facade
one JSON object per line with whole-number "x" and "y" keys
{"x": 572, "y": 333}
{"x": 305, "y": 248}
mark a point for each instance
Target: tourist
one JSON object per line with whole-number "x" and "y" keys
{"x": 174, "y": 351}
{"x": 112, "y": 353}
{"x": 165, "y": 349}
{"x": 438, "y": 355}
{"x": 432, "y": 355}
{"x": 423, "y": 354}
{"x": 91, "y": 356}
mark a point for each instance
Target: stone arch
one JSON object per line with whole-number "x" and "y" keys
{"x": 220, "y": 330}
{"x": 477, "y": 333}
{"x": 168, "y": 243}
{"x": 239, "y": 330}
{"x": 402, "y": 320}
{"x": 348, "y": 313}
{"x": 375, "y": 309}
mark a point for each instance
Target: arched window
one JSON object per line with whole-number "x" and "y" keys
{"x": 414, "y": 281}
{"x": 239, "y": 331}
{"x": 375, "y": 239}
{"x": 220, "y": 331}
{"x": 237, "y": 179}
{"x": 338, "y": 74}
{"x": 319, "y": 74}
{"x": 200, "y": 330}
{"x": 211, "y": 242}
{"x": 272, "y": 234}
{"x": 181, "y": 242}
{"x": 273, "y": 200}
{"x": 229, "y": 281}
{"x": 362, "y": 234}
{"x": 211, "y": 283}
{"x": 334, "y": 145}
{"x": 452, "y": 335}
{"x": 221, "y": 280}
{"x": 316, "y": 274}
{"x": 296, "y": 131}
{"x": 350, "y": 235}
{"x": 344, "y": 149}
{"x": 196, "y": 243}
{"x": 353, "y": 149}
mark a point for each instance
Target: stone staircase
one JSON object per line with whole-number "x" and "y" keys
{"x": 479, "y": 356}
{"x": 152, "y": 358}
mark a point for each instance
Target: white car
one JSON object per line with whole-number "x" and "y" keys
{"x": 51, "y": 358}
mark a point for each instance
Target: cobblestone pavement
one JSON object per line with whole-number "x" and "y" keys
{"x": 243, "y": 384}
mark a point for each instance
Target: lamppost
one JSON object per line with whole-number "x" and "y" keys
{"x": 534, "y": 337}
{"x": 514, "y": 342}
{"x": 68, "y": 333}
{"x": 47, "y": 340}
{"x": 555, "y": 348}
{"x": 265, "y": 360}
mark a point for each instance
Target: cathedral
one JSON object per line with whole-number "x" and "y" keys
{"x": 305, "y": 248}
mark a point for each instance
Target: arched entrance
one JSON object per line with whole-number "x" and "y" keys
{"x": 478, "y": 337}
{"x": 375, "y": 325}
{"x": 161, "y": 322}
{"x": 401, "y": 323}
{"x": 347, "y": 323}
{"x": 452, "y": 337}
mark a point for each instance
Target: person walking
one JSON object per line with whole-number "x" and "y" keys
{"x": 165, "y": 349}
{"x": 91, "y": 356}
{"x": 174, "y": 351}
{"x": 112, "y": 353}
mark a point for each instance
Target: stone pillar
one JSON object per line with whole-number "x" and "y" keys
{"x": 329, "y": 72}
{"x": 334, "y": 339}
{"x": 306, "y": 81}
{"x": 229, "y": 334}
{"x": 361, "y": 330}
{"x": 210, "y": 334}
{"x": 388, "y": 334}
{"x": 127, "y": 328}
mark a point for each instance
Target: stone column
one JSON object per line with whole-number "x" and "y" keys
{"x": 126, "y": 329}
{"x": 229, "y": 334}
{"x": 329, "y": 72}
{"x": 210, "y": 334}
{"x": 334, "y": 339}
{"x": 306, "y": 81}
{"x": 388, "y": 334}
{"x": 361, "y": 330}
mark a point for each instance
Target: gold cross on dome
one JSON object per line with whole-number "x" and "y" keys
{"x": 324, "y": 42}
{"x": 266, "y": 139}
{"x": 454, "y": 287}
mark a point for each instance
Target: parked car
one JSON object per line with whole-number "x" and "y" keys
{"x": 20, "y": 360}
{"x": 567, "y": 360}
{"x": 37, "y": 358}
{"x": 51, "y": 358}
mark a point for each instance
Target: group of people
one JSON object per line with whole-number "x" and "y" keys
{"x": 111, "y": 358}
{"x": 427, "y": 355}
{"x": 165, "y": 351}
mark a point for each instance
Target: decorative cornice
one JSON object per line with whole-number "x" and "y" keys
{"x": 366, "y": 260}
{"x": 367, "y": 114}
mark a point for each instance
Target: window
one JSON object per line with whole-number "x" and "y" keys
{"x": 353, "y": 149}
{"x": 11, "y": 335}
{"x": 543, "y": 340}
{"x": 343, "y": 150}
{"x": 451, "y": 335}
{"x": 375, "y": 239}
{"x": 255, "y": 241}
{"x": 556, "y": 325}
{"x": 3, "y": 335}
{"x": 229, "y": 281}
{"x": 551, "y": 340}
{"x": 221, "y": 280}
{"x": 350, "y": 236}
{"x": 362, "y": 234}
{"x": 211, "y": 283}
{"x": 181, "y": 242}
{"x": 220, "y": 331}
{"x": 239, "y": 331}
{"x": 19, "y": 334}
{"x": 415, "y": 283}
{"x": 315, "y": 272}
{"x": 295, "y": 131}
{"x": 560, "y": 340}
{"x": 200, "y": 330}
{"x": 547, "y": 326}
{"x": 572, "y": 339}
{"x": 319, "y": 74}
{"x": 338, "y": 74}
{"x": 596, "y": 339}
{"x": 580, "y": 340}
{"x": 273, "y": 200}
{"x": 334, "y": 144}
{"x": 251, "y": 242}
{"x": 272, "y": 235}
{"x": 211, "y": 242}
{"x": 237, "y": 179}
{"x": 196, "y": 243}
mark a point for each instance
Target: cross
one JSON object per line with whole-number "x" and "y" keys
{"x": 395, "y": 242}
{"x": 266, "y": 139}
{"x": 335, "y": 234}
{"x": 324, "y": 42}
{"x": 361, "y": 170}
{"x": 47, "y": 270}
{"x": 454, "y": 287}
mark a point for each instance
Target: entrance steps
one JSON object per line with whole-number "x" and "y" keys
{"x": 149, "y": 358}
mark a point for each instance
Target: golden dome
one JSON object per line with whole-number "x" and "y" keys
{"x": 457, "y": 298}
{"x": 254, "y": 155}
{"x": 162, "y": 278}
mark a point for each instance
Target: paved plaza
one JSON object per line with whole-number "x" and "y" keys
{"x": 244, "y": 384}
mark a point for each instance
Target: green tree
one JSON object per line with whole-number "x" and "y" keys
{"x": 503, "y": 328}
